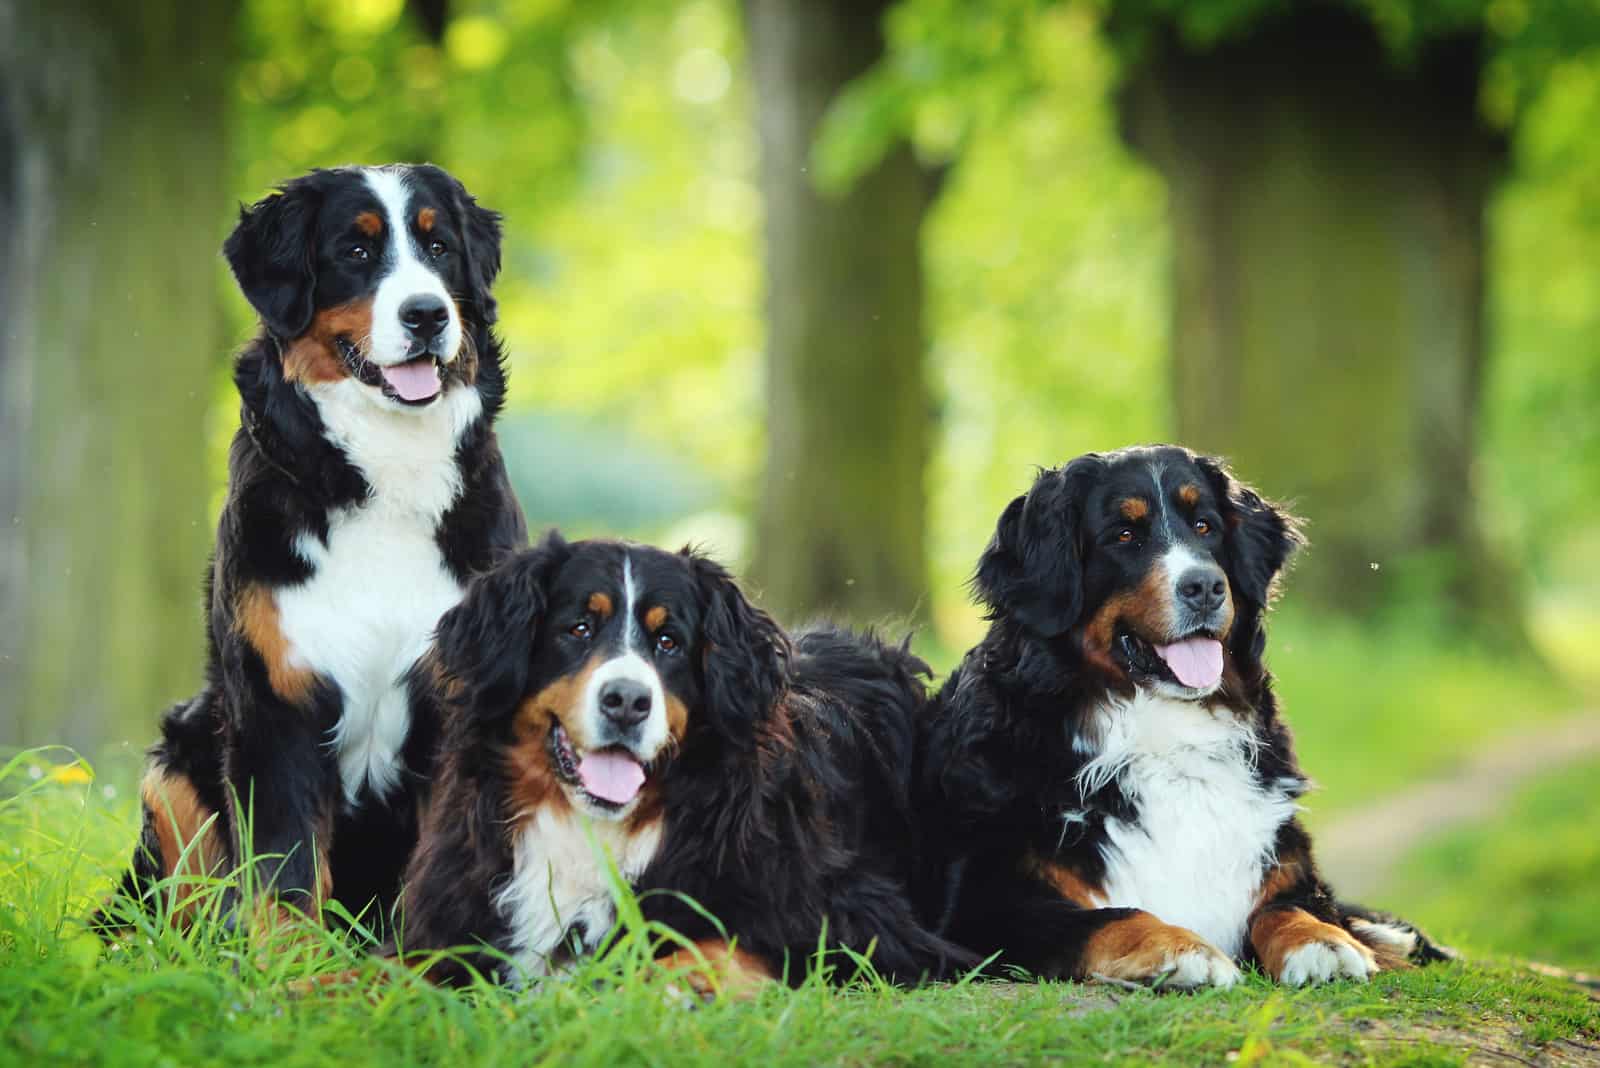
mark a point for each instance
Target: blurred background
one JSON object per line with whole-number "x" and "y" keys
{"x": 818, "y": 283}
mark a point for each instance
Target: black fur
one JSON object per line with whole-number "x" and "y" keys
{"x": 783, "y": 804}
{"x": 247, "y": 749}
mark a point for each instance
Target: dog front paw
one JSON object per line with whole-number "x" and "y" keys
{"x": 1142, "y": 949}
{"x": 1296, "y": 948}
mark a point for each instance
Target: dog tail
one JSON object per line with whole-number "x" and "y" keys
{"x": 1395, "y": 942}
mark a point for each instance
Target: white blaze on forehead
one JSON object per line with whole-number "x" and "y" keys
{"x": 406, "y": 274}
{"x": 630, "y": 595}
{"x": 1159, "y": 522}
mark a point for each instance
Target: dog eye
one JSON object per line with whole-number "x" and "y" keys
{"x": 357, "y": 252}
{"x": 1125, "y": 536}
{"x": 665, "y": 643}
{"x": 581, "y": 629}
{"x": 437, "y": 248}
{"x": 1201, "y": 527}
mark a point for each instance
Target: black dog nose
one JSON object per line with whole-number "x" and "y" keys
{"x": 1201, "y": 589}
{"x": 424, "y": 317}
{"x": 625, "y": 702}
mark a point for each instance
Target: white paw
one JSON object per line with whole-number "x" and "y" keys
{"x": 1199, "y": 967}
{"x": 1321, "y": 962}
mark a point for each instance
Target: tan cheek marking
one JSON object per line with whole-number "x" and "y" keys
{"x": 600, "y": 605}
{"x": 1147, "y": 608}
{"x": 1134, "y": 508}
{"x": 313, "y": 358}
{"x": 677, "y": 717}
{"x": 728, "y": 971}
{"x": 530, "y": 780}
{"x": 1137, "y": 948}
{"x": 1189, "y": 494}
{"x": 1277, "y": 933}
{"x": 256, "y": 620}
{"x": 370, "y": 223}
{"x": 466, "y": 362}
{"x": 556, "y": 703}
{"x": 425, "y": 219}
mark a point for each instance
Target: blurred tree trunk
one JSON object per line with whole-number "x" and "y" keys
{"x": 840, "y": 528}
{"x": 1328, "y": 223}
{"x": 116, "y": 195}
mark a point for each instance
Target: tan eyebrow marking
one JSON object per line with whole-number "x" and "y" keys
{"x": 370, "y": 223}
{"x": 1189, "y": 494}
{"x": 655, "y": 617}
{"x": 600, "y": 605}
{"x": 1133, "y": 508}
{"x": 425, "y": 219}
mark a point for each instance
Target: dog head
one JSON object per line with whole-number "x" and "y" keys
{"x": 1154, "y": 560}
{"x": 594, "y": 663}
{"x": 380, "y": 274}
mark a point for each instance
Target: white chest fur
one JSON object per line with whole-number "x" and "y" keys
{"x": 1205, "y": 827}
{"x": 379, "y": 582}
{"x": 559, "y": 879}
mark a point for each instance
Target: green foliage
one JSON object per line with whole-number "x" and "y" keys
{"x": 209, "y": 996}
{"x": 952, "y": 67}
{"x": 327, "y": 82}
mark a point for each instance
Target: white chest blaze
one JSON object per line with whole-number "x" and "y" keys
{"x": 1205, "y": 827}
{"x": 379, "y": 583}
{"x": 559, "y": 879}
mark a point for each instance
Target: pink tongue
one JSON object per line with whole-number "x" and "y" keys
{"x": 611, "y": 776}
{"x": 1197, "y": 662}
{"x": 415, "y": 380}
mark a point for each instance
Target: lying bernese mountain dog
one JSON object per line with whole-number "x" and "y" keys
{"x": 1114, "y": 787}
{"x": 365, "y": 487}
{"x": 611, "y": 699}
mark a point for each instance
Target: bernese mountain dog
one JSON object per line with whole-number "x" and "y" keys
{"x": 608, "y": 702}
{"x": 1114, "y": 788}
{"x": 365, "y": 487}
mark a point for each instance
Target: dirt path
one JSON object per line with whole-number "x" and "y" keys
{"x": 1358, "y": 851}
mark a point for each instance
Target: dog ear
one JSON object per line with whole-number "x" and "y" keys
{"x": 1032, "y": 569}
{"x": 743, "y": 654}
{"x": 274, "y": 258}
{"x": 1261, "y": 536}
{"x": 485, "y": 643}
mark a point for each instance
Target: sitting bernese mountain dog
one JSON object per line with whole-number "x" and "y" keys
{"x": 606, "y": 699}
{"x": 365, "y": 487}
{"x": 1114, "y": 789}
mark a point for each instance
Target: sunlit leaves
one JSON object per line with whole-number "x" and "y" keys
{"x": 475, "y": 42}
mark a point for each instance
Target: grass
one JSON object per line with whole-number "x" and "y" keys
{"x": 212, "y": 997}
{"x": 1372, "y": 713}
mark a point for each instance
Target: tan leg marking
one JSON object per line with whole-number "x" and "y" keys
{"x": 728, "y": 971}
